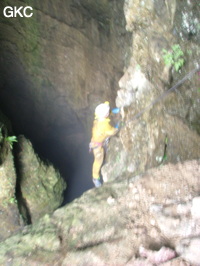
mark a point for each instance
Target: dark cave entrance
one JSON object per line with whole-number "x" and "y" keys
{"x": 66, "y": 146}
{"x": 68, "y": 153}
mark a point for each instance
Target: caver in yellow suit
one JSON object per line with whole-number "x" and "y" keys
{"x": 101, "y": 131}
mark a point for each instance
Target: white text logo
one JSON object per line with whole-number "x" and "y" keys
{"x": 13, "y": 12}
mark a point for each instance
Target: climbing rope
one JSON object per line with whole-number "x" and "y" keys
{"x": 162, "y": 96}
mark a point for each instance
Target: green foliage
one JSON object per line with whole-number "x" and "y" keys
{"x": 174, "y": 58}
{"x": 11, "y": 140}
{"x": 13, "y": 200}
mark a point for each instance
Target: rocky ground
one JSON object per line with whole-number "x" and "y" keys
{"x": 152, "y": 219}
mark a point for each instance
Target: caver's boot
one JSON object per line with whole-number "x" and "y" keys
{"x": 97, "y": 182}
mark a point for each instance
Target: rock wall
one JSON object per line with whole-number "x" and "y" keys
{"x": 168, "y": 130}
{"x": 63, "y": 61}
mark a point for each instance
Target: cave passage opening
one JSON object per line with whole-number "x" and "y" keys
{"x": 56, "y": 132}
{"x": 65, "y": 146}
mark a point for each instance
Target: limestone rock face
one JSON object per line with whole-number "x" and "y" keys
{"x": 122, "y": 223}
{"x": 157, "y": 127}
{"x": 41, "y": 186}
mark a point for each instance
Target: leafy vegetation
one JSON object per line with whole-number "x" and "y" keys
{"x": 11, "y": 140}
{"x": 13, "y": 200}
{"x": 174, "y": 58}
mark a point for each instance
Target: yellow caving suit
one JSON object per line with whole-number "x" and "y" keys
{"x": 100, "y": 132}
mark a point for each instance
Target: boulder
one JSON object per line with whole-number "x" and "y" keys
{"x": 40, "y": 184}
{"x": 144, "y": 219}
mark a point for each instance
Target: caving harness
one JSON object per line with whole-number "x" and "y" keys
{"x": 94, "y": 145}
